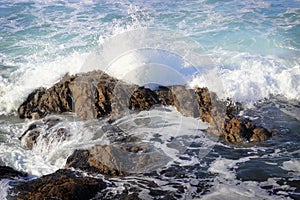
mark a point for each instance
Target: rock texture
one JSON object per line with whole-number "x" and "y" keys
{"x": 96, "y": 95}
{"x": 42, "y": 101}
{"x": 242, "y": 130}
{"x": 117, "y": 160}
{"x": 84, "y": 160}
{"x": 63, "y": 184}
{"x": 8, "y": 172}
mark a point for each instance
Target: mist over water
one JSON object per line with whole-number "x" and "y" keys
{"x": 245, "y": 50}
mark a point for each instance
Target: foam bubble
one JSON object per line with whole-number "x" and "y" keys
{"x": 292, "y": 166}
{"x": 168, "y": 134}
{"x": 30, "y": 76}
{"x": 225, "y": 185}
{"x": 4, "y": 186}
{"x": 249, "y": 78}
{"x": 239, "y": 190}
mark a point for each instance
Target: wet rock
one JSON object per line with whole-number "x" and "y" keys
{"x": 242, "y": 130}
{"x": 8, "y": 172}
{"x": 117, "y": 160}
{"x": 205, "y": 104}
{"x": 260, "y": 134}
{"x": 97, "y": 95}
{"x": 84, "y": 160}
{"x": 42, "y": 101}
{"x": 63, "y": 184}
{"x": 92, "y": 94}
{"x": 143, "y": 99}
{"x": 185, "y": 101}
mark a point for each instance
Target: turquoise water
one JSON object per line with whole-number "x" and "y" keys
{"x": 31, "y": 28}
{"x": 254, "y": 47}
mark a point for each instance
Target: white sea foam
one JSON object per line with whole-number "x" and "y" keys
{"x": 245, "y": 76}
{"x": 50, "y": 151}
{"x": 175, "y": 133}
{"x": 33, "y": 75}
{"x": 240, "y": 190}
{"x": 292, "y": 166}
{"x": 25, "y": 160}
{"x": 54, "y": 150}
{"x": 226, "y": 186}
{"x": 249, "y": 78}
{"x": 4, "y": 186}
{"x": 166, "y": 132}
{"x": 226, "y": 167}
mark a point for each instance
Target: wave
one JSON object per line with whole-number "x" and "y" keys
{"x": 213, "y": 49}
{"x": 242, "y": 77}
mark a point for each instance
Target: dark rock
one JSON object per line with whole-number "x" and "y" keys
{"x": 92, "y": 94}
{"x": 96, "y": 95}
{"x": 84, "y": 160}
{"x": 242, "y": 130}
{"x": 117, "y": 160}
{"x": 42, "y": 101}
{"x": 8, "y": 172}
{"x": 63, "y": 184}
{"x": 143, "y": 99}
{"x": 185, "y": 101}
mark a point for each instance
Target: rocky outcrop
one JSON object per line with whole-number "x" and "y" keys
{"x": 242, "y": 130}
{"x": 84, "y": 160}
{"x": 63, "y": 184}
{"x": 8, "y": 172}
{"x": 97, "y": 95}
{"x": 117, "y": 160}
{"x": 42, "y": 101}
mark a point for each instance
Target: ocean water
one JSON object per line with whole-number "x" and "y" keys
{"x": 248, "y": 51}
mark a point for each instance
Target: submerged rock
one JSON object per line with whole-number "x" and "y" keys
{"x": 46, "y": 130}
{"x": 63, "y": 184}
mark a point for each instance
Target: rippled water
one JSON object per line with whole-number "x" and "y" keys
{"x": 249, "y": 52}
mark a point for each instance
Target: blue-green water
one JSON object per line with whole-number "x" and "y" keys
{"x": 253, "y": 45}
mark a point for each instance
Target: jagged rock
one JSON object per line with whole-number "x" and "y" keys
{"x": 62, "y": 184}
{"x": 241, "y": 130}
{"x": 96, "y": 95}
{"x": 42, "y": 101}
{"x": 8, "y": 172}
{"x": 117, "y": 160}
{"x": 84, "y": 160}
{"x": 260, "y": 134}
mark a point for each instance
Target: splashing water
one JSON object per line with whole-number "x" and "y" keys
{"x": 245, "y": 50}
